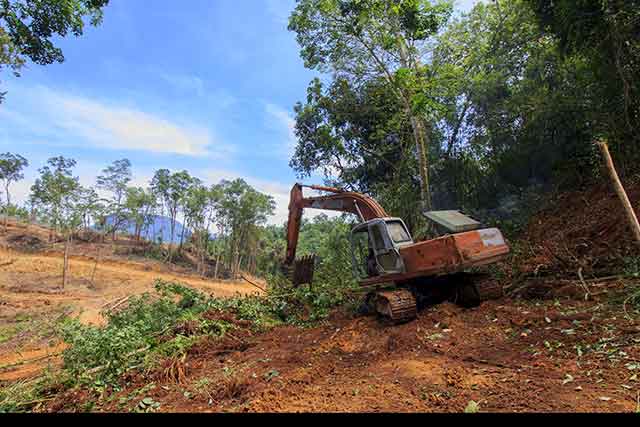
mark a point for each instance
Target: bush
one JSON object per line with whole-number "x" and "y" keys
{"x": 105, "y": 353}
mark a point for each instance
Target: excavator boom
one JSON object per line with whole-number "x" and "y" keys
{"x": 342, "y": 201}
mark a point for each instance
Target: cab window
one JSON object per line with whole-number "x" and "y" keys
{"x": 397, "y": 232}
{"x": 378, "y": 240}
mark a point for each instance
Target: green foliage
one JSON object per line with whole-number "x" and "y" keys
{"x": 104, "y": 353}
{"x": 141, "y": 334}
{"x": 28, "y": 28}
{"x": 604, "y": 35}
{"x": 11, "y": 170}
{"x": 333, "y": 282}
{"x": 15, "y": 211}
{"x": 56, "y": 193}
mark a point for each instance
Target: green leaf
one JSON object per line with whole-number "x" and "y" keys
{"x": 472, "y": 407}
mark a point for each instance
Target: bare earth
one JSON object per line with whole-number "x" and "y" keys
{"x": 31, "y": 296}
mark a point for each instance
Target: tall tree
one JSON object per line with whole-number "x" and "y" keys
{"x": 28, "y": 28}
{"x": 55, "y": 190}
{"x": 11, "y": 170}
{"x": 58, "y": 196}
{"x": 115, "y": 179}
{"x": 171, "y": 188}
{"x": 357, "y": 39}
{"x": 140, "y": 205}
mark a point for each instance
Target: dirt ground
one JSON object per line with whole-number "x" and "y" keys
{"x": 507, "y": 356}
{"x": 547, "y": 347}
{"x": 31, "y": 297}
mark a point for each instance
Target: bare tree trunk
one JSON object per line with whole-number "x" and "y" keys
{"x": 238, "y": 265}
{"x": 619, "y": 189}
{"x": 215, "y": 273}
{"x": 65, "y": 265}
{"x": 203, "y": 249}
{"x": 95, "y": 267}
{"x": 420, "y": 134}
{"x": 418, "y": 127}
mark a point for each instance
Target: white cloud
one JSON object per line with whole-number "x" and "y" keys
{"x": 285, "y": 124}
{"x": 111, "y": 126}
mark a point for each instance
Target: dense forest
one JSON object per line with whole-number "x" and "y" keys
{"x": 507, "y": 99}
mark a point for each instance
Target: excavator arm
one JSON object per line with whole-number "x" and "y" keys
{"x": 358, "y": 204}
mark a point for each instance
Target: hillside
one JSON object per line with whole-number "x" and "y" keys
{"x": 542, "y": 347}
{"x": 101, "y": 276}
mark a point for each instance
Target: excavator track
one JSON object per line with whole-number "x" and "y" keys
{"x": 398, "y": 306}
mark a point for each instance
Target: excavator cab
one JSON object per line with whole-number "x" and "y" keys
{"x": 375, "y": 247}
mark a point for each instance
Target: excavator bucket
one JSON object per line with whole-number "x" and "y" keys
{"x": 301, "y": 272}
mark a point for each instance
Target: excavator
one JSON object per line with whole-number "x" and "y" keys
{"x": 401, "y": 274}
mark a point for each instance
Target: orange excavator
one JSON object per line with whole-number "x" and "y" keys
{"x": 401, "y": 273}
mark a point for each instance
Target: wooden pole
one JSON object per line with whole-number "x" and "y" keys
{"x": 622, "y": 195}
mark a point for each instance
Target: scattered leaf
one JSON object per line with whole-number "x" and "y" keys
{"x": 605, "y": 398}
{"x": 568, "y": 379}
{"x": 272, "y": 374}
{"x": 472, "y": 407}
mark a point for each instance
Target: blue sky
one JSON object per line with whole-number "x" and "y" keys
{"x": 202, "y": 85}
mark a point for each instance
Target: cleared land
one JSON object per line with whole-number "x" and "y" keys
{"x": 31, "y": 297}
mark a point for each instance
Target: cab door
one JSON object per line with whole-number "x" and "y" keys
{"x": 387, "y": 256}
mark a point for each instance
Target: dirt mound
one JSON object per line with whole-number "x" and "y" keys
{"x": 577, "y": 236}
{"x": 25, "y": 242}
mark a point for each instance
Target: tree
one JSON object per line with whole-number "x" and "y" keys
{"x": 57, "y": 193}
{"x": 28, "y": 27}
{"x": 115, "y": 179}
{"x": 55, "y": 190}
{"x": 604, "y": 34}
{"x": 241, "y": 209}
{"x": 11, "y": 170}
{"x": 518, "y": 115}
{"x": 360, "y": 138}
{"x": 358, "y": 39}
{"x": 200, "y": 212}
{"x": 91, "y": 207}
{"x": 140, "y": 205}
{"x": 171, "y": 189}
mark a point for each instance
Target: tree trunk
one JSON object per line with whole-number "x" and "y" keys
{"x": 619, "y": 189}
{"x": 215, "y": 273}
{"x": 65, "y": 265}
{"x": 418, "y": 127}
{"x": 238, "y": 266}
{"x": 181, "y": 237}
{"x": 419, "y": 135}
{"x": 95, "y": 267}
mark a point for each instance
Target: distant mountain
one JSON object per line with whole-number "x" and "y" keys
{"x": 160, "y": 228}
